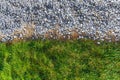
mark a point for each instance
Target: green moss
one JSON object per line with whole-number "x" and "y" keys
{"x": 60, "y": 60}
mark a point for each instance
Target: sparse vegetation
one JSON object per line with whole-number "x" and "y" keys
{"x": 60, "y": 60}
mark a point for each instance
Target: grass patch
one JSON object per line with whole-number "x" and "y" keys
{"x": 60, "y": 60}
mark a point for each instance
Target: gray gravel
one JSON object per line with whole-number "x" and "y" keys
{"x": 98, "y": 19}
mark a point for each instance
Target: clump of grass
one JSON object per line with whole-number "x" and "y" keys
{"x": 60, "y": 60}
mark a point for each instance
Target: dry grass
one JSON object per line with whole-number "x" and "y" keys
{"x": 55, "y": 34}
{"x": 111, "y": 35}
{"x": 29, "y": 30}
{"x": 74, "y": 34}
{"x": 26, "y": 31}
{"x": 1, "y": 36}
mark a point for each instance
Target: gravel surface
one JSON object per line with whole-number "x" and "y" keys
{"x": 64, "y": 19}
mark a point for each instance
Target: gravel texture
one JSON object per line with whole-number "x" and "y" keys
{"x": 95, "y": 19}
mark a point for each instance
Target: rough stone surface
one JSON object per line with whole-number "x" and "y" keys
{"x": 58, "y": 19}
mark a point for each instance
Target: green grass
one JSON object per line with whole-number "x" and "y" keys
{"x": 60, "y": 60}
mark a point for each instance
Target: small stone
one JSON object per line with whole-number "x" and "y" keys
{"x": 98, "y": 43}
